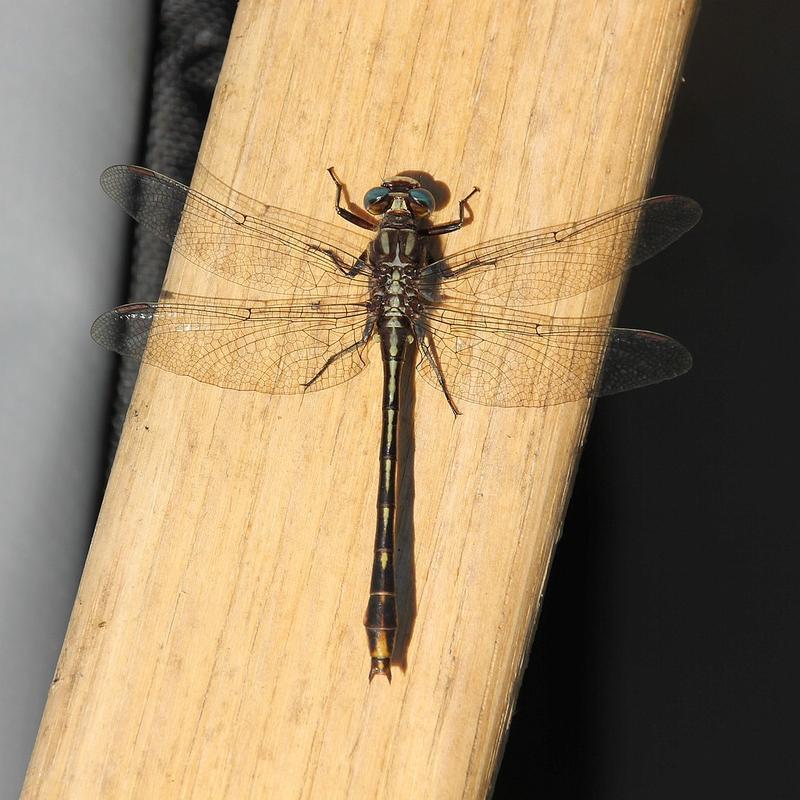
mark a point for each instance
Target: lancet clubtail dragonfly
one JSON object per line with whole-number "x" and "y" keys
{"x": 468, "y": 314}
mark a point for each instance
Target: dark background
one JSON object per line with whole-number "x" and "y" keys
{"x": 665, "y": 663}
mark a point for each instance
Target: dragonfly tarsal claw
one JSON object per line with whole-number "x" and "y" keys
{"x": 475, "y": 190}
{"x": 332, "y": 173}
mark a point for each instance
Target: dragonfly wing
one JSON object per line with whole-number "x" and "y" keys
{"x": 279, "y": 253}
{"x": 635, "y": 358}
{"x": 540, "y": 266}
{"x": 265, "y": 347}
{"x": 521, "y": 360}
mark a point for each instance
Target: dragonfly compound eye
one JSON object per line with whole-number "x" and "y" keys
{"x": 423, "y": 198}
{"x": 377, "y": 200}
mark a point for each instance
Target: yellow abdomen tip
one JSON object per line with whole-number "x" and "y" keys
{"x": 380, "y": 666}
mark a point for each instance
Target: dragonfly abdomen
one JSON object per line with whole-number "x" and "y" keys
{"x": 380, "y": 619}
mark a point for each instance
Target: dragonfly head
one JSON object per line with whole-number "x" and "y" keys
{"x": 399, "y": 195}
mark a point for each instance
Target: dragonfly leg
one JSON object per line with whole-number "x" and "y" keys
{"x": 429, "y": 354}
{"x": 359, "y": 266}
{"x": 359, "y": 345}
{"x": 345, "y": 213}
{"x": 453, "y": 225}
{"x": 341, "y": 264}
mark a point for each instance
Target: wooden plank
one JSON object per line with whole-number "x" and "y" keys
{"x": 216, "y": 648}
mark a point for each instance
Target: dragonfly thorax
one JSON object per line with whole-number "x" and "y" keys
{"x": 396, "y": 256}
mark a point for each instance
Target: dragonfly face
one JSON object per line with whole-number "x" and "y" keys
{"x": 400, "y": 196}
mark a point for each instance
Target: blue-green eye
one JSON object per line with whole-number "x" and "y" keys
{"x": 423, "y": 197}
{"x": 375, "y": 196}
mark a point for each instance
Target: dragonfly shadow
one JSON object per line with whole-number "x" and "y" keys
{"x": 405, "y": 562}
{"x": 439, "y": 189}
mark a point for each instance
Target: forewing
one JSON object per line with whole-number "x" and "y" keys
{"x": 279, "y": 253}
{"x": 265, "y": 347}
{"x": 518, "y": 359}
{"x": 540, "y": 266}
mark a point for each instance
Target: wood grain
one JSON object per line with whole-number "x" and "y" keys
{"x": 216, "y": 647}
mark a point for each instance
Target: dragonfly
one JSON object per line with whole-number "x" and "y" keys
{"x": 471, "y": 317}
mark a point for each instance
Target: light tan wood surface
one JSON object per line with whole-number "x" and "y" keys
{"x": 216, "y": 648}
